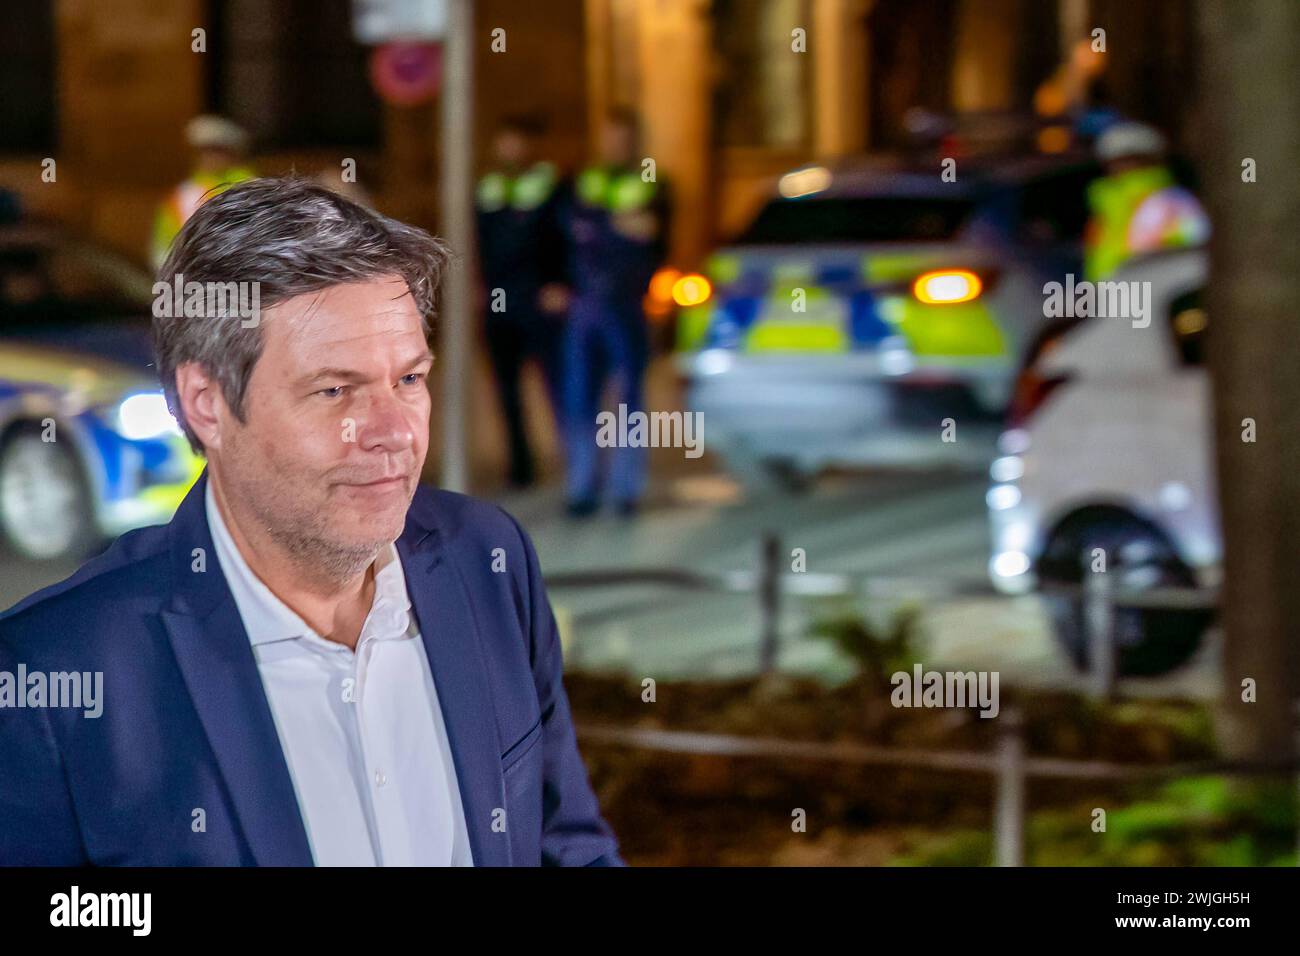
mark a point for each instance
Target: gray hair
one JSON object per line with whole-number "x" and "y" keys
{"x": 290, "y": 237}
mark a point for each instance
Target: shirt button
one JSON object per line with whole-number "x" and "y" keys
{"x": 380, "y": 778}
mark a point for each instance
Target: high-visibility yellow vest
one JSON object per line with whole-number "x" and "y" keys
{"x": 181, "y": 203}
{"x": 528, "y": 190}
{"x": 615, "y": 190}
{"x": 1136, "y": 211}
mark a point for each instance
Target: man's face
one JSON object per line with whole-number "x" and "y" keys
{"x": 617, "y": 143}
{"x": 512, "y": 148}
{"x": 215, "y": 159}
{"x": 336, "y": 424}
{"x": 1123, "y": 164}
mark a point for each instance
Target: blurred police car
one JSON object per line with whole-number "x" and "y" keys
{"x": 56, "y": 289}
{"x": 87, "y": 446}
{"x": 867, "y": 304}
{"x": 1109, "y": 451}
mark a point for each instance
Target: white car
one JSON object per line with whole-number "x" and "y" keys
{"x": 1109, "y": 446}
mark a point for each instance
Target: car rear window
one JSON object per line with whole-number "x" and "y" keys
{"x": 1054, "y": 208}
{"x": 832, "y": 220}
{"x": 53, "y": 283}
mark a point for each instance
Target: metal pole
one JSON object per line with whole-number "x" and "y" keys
{"x": 1009, "y": 800}
{"x": 455, "y": 351}
{"x": 1099, "y": 621}
{"x": 1072, "y": 15}
{"x": 769, "y": 601}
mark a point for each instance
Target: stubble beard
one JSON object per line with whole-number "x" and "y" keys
{"x": 302, "y": 533}
{"x": 329, "y": 561}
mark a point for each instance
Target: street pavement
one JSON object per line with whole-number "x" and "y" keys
{"x": 910, "y": 535}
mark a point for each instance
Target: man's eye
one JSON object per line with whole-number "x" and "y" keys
{"x": 412, "y": 378}
{"x": 335, "y": 391}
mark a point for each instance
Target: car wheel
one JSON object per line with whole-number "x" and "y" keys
{"x": 45, "y": 506}
{"x": 1148, "y": 641}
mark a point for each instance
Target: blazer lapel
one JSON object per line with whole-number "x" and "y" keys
{"x": 220, "y": 672}
{"x": 448, "y": 628}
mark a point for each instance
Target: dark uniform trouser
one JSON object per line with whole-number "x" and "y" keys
{"x": 511, "y": 343}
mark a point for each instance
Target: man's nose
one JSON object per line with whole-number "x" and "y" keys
{"x": 387, "y": 425}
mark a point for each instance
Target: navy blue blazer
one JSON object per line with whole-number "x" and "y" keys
{"x": 186, "y": 724}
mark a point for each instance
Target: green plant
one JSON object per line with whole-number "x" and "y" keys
{"x": 1193, "y": 821}
{"x": 877, "y": 652}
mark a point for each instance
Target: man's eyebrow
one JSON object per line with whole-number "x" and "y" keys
{"x": 426, "y": 356}
{"x": 323, "y": 374}
{"x": 352, "y": 375}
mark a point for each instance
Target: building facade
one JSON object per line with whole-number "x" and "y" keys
{"x": 730, "y": 92}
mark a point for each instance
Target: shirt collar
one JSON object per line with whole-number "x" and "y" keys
{"x": 390, "y": 613}
{"x": 268, "y": 619}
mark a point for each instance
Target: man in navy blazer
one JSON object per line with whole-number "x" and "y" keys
{"x": 306, "y": 553}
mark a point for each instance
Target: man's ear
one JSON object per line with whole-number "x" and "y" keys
{"x": 202, "y": 403}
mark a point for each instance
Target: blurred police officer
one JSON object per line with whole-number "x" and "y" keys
{"x": 220, "y": 149}
{"x": 521, "y": 250}
{"x": 1137, "y": 207}
{"x": 617, "y": 226}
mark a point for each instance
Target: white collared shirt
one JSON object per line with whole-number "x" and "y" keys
{"x": 362, "y": 732}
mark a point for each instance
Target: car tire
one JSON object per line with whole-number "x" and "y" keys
{"x": 46, "y": 512}
{"x": 1149, "y": 641}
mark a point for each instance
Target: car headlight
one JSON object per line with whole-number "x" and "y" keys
{"x": 1007, "y": 468}
{"x": 145, "y": 415}
{"x": 1002, "y": 497}
{"x": 1010, "y": 564}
